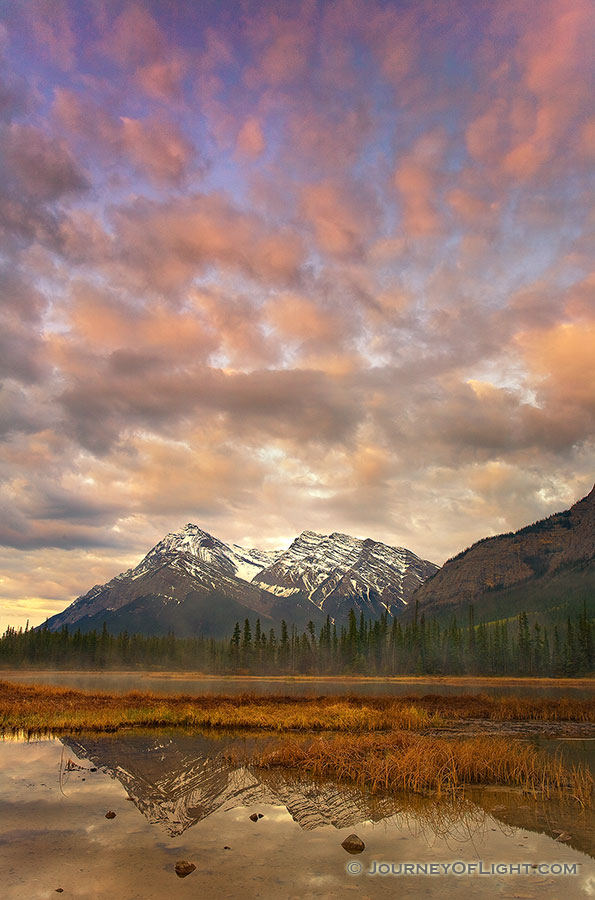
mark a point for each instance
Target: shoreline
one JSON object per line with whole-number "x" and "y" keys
{"x": 585, "y": 682}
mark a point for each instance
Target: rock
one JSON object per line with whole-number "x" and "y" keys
{"x": 260, "y": 816}
{"x": 110, "y": 814}
{"x": 254, "y": 817}
{"x": 59, "y": 891}
{"x": 183, "y": 867}
{"x": 93, "y": 769}
{"x": 353, "y": 844}
{"x": 564, "y": 836}
{"x": 227, "y": 848}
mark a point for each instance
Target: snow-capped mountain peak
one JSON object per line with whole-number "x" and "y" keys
{"x": 332, "y": 569}
{"x": 231, "y": 559}
{"x": 194, "y": 583}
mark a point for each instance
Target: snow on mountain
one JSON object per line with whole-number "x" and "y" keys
{"x": 332, "y": 569}
{"x": 215, "y": 584}
{"x": 230, "y": 559}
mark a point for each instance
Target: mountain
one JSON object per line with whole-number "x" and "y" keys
{"x": 332, "y": 570}
{"x": 547, "y": 568}
{"x": 195, "y": 584}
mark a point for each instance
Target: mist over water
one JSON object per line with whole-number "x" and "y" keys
{"x": 174, "y": 683}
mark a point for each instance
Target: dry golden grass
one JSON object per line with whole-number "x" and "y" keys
{"x": 42, "y": 709}
{"x": 403, "y": 761}
{"x": 34, "y": 709}
{"x": 397, "y": 760}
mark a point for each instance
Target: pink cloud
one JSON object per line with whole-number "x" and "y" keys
{"x": 341, "y": 217}
{"x": 52, "y": 28}
{"x": 163, "y": 246}
{"x": 283, "y": 47}
{"x": 134, "y": 39}
{"x": 43, "y": 165}
{"x": 162, "y": 80}
{"x": 154, "y": 145}
{"x": 250, "y": 141}
{"x": 418, "y": 179}
{"x": 157, "y": 147}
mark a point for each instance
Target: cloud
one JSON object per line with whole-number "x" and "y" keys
{"x": 42, "y": 165}
{"x": 250, "y": 141}
{"x": 164, "y": 245}
{"x": 158, "y": 148}
{"x": 311, "y": 265}
{"x": 342, "y": 217}
{"x": 154, "y": 145}
{"x": 134, "y": 38}
{"x": 418, "y": 180}
{"x": 52, "y": 28}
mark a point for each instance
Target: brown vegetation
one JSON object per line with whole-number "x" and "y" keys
{"x": 396, "y": 759}
{"x": 37, "y": 709}
{"x": 429, "y": 764}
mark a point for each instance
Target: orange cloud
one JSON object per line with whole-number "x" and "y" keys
{"x": 418, "y": 180}
{"x": 250, "y": 141}
{"x": 339, "y": 221}
{"x": 562, "y": 361}
{"x": 298, "y": 317}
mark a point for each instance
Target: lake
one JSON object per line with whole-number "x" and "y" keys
{"x": 175, "y": 683}
{"x": 188, "y": 796}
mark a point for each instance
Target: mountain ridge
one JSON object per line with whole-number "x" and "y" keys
{"x": 528, "y": 566}
{"x": 193, "y": 583}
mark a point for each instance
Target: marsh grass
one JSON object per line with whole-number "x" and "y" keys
{"x": 404, "y": 761}
{"x": 378, "y": 742}
{"x": 40, "y": 709}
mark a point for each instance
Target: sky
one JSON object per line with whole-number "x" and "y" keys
{"x": 276, "y": 266}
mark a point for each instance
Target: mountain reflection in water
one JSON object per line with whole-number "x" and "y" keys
{"x": 178, "y": 780}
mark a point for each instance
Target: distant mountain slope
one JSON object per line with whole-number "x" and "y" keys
{"x": 547, "y": 567}
{"x": 193, "y": 583}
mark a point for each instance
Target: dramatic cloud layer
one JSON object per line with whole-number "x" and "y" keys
{"x": 269, "y": 266}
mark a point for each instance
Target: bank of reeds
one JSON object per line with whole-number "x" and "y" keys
{"x": 32, "y": 709}
{"x": 404, "y": 761}
{"x": 37, "y": 709}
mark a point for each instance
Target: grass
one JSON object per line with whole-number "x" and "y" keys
{"x": 39, "y": 709}
{"x": 35, "y": 709}
{"x": 404, "y": 761}
{"x": 379, "y": 741}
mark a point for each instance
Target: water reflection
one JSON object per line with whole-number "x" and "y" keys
{"x": 177, "y": 780}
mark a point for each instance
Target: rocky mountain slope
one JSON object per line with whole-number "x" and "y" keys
{"x": 193, "y": 583}
{"x": 329, "y": 570}
{"x": 543, "y": 567}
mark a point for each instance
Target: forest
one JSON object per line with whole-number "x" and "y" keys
{"x": 382, "y": 647}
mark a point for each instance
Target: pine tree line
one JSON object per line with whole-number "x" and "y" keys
{"x": 381, "y": 647}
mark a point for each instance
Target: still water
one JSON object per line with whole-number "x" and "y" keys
{"x": 190, "y": 796}
{"x": 197, "y": 684}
